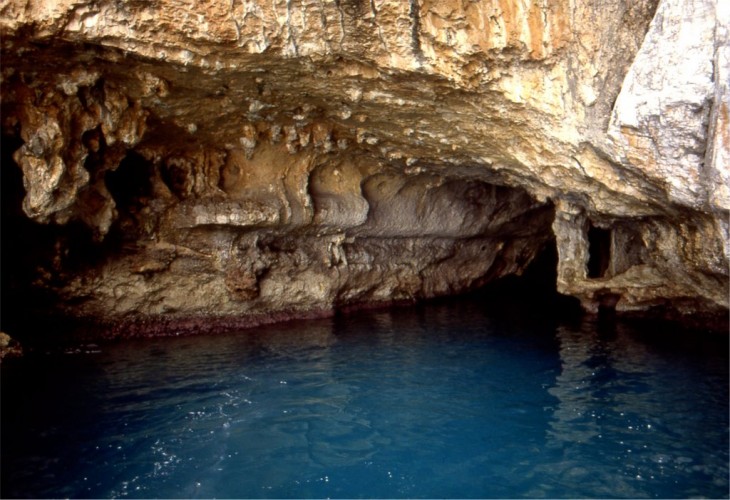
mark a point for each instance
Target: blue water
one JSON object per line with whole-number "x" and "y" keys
{"x": 441, "y": 400}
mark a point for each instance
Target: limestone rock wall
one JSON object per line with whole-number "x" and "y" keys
{"x": 232, "y": 159}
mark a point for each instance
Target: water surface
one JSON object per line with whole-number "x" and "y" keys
{"x": 447, "y": 399}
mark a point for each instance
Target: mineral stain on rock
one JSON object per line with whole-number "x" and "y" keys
{"x": 225, "y": 163}
{"x": 415, "y": 15}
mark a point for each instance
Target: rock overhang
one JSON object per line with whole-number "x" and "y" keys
{"x": 369, "y": 128}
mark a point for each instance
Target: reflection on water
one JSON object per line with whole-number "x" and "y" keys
{"x": 627, "y": 416}
{"x": 444, "y": 400}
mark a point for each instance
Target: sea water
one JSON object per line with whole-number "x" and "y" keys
{"x": 442, "y": 400}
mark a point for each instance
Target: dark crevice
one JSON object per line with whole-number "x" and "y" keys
{"x": 95, "y": 144}
{"x": 131, "y": 188}
{"x": 415, "y": 14}
{"x": 130, "y": 182}
{"x": 175, "y": 178}
{"x": 599, "y": 251}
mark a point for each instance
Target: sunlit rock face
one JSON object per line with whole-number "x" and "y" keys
{"x": 255, "y": 159}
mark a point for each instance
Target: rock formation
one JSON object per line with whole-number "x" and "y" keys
{"x": 243, "y": 161}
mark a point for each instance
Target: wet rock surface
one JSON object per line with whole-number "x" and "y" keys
{"x": 215, "y": 163}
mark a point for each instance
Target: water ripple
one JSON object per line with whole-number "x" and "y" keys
{"x": 440, "y": 402}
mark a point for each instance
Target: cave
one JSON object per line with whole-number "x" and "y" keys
{"x": 532, "y": 293}
{"x": 358, "y": 248}
{"x": 389, "y": 160}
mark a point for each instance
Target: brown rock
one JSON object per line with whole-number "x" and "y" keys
{"x": 234, "y": 160}
{"x": 9, "y": 348}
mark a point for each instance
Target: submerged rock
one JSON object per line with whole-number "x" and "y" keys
{"x": 242, "y": 160}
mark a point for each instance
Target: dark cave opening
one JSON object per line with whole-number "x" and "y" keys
{"x": 36, "y": 258}
{"x": 534, "y": 292}
{"x": 130, "y": 182}
{"x": 24, "y": 244}
{"x": 130, "y": 185}
{"x": 599, "y": 251}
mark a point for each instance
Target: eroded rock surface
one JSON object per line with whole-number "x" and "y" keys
{"x": 254, "y": 159}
